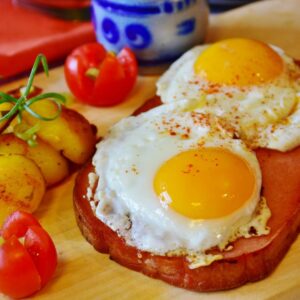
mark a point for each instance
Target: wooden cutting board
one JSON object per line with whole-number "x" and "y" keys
{"x": 83, "y": 273}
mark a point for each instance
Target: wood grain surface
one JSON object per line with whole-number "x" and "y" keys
{"x": 83, "y": 273}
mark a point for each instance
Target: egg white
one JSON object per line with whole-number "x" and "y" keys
{"x": 265, "y": 115}
{"x": 126, "y": 162}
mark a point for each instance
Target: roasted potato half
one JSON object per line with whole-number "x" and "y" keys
{"x": 10, "y": 144}
{"x": 4, "y": 108}
{"x": 53, "y": 165}
{"x": 71, "y": 133}
{"x": 22, "y": 185}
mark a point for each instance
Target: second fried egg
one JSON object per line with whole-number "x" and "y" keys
{"x": 254, "y": 86}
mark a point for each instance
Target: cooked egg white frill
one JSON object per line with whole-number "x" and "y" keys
{"x": 175, "y": 182}
{"x": 254, "y": 86}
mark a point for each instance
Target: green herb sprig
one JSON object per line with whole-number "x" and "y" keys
{"x": 22, "y": 130}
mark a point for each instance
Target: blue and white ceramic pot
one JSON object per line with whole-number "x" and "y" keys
{"x": 158, "y": 31}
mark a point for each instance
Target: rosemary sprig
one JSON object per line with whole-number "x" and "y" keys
{"x": 23, "y": 103}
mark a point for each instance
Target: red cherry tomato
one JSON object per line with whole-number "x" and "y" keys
{"x": 17, "y": 224}
{"x": 18, "y": 274}
{"x": 98, "y": 77}
{"x": 40, "y": 247}
{"x": 25, "y": 266}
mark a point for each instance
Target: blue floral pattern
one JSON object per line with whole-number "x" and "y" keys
{"x": 110, "y": 31}
{"x": 155, "y": 30}
{"x": 186, "y": 26}
{"x": 139, "y": 37}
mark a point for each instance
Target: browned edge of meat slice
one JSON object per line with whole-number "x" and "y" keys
{"x": 250, "y": 260}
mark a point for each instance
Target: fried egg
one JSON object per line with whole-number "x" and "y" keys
{"x": 174, "y": 181}
{"x": 254, "y": 86}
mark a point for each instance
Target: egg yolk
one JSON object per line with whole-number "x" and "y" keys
{"x": 205, "y": 183}
{"x": 239, "y": 62}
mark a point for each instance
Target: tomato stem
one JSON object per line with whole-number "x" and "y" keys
{"x": 92, "y": 73}
{"x": 112, "y": 53}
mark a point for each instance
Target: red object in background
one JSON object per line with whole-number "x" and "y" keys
{"x": 57, "y": 3}
{"x": 24, "y": 33}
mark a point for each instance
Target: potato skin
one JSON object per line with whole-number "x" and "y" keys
{"x": 4, "y": 108}
{"x": 22, "y": 185}
{"x": 53, "y": 165}
{"x": 71, "y": 133}
{"x": 10, "y": 144}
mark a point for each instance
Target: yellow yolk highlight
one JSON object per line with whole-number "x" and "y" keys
{"x": 239, "y": 62}
{"x": 205, "y": 183}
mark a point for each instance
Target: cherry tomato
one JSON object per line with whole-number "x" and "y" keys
{"x": 98, "y": 77}
{"x": 25, "y": 266}
{"x": 17, "y": 224}
{"x": 18, "y": 275}
{"x": 40, "y": 247}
